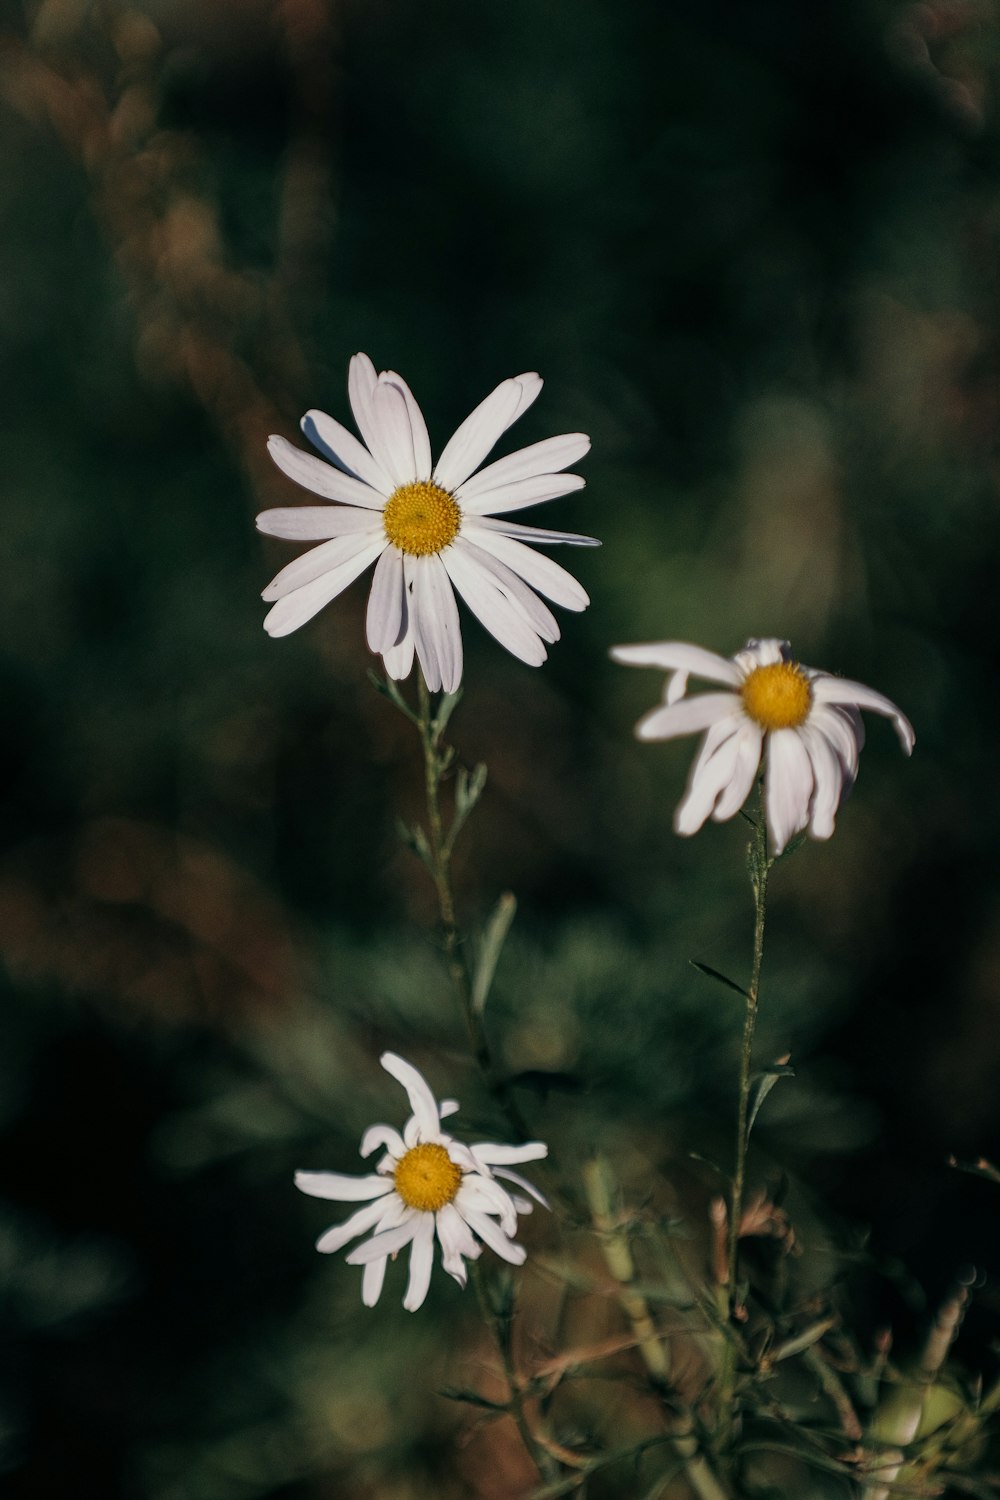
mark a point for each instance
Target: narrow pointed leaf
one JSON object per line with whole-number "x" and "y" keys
{"x": 490, "y": 948}
{"x": 765, "y": 1084}
{"x": 711, "y": 973}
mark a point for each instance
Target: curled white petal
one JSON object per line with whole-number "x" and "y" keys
{"x": 381, "y": 1135}
{"x": 422, "y": 1101}
{"x": 856, "y": 695}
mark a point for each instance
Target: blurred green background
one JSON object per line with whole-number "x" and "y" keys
{"x": 754, "y": 251}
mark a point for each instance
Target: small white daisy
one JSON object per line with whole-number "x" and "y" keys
{"x": 426, "y": 1184}
{"x": 808, "y": 719}
{"x": 429, "y": 528}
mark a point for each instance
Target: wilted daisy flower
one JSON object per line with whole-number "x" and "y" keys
{"x": 426, "y": 1184}
{"x": 807, "y": 720}
{"x": 429, "y": 528}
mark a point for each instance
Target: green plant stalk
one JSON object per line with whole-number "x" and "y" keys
{"x": 619, "y": 1260}
{"x": 435, "y": 764}
{"x": 760, "y": 866}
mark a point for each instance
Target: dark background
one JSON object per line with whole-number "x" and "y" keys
{"x": 753, "y": 249}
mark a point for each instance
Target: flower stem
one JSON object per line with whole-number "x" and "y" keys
{"x": 760, "y": 867}
{"x": 727, "y": 1282}
{"x": 437, "y": 759}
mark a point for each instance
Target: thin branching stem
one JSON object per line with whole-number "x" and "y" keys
{"x": 437, "y": 759}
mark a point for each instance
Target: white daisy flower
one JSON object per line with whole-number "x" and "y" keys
{"x": 426, "y": 1184}
{"x": 429, "y": 528}
{"x": 807, "y": 722}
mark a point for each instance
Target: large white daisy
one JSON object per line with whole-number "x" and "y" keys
{"x": 807, "y": 724}
{"x": 426, "y": 1184}
{"x": 429, "y": 528}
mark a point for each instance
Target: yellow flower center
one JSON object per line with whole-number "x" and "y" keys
{"x": 421, "y": 518}
{"x": 777, "y": 696}
{"x": 427, "y": 1178}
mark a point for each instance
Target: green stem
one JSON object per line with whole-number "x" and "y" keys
{"x": 760, "y": 867}
{"x": 435, "y": 764}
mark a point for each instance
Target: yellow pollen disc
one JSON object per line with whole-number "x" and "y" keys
{"x": 777, "y": 696}
{"x": 427, "y": 1178}
{"x": 421, "y": 518}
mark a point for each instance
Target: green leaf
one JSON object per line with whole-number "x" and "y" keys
{"x": 711, "y": 973}
{"x": 490, "y": 948}
{"x": 415, "y": 839}
{"x": 447, "y": 706}
{"x": 765, "y": 1083}
{"x": 388, "y": 689}
{"x": 468, "y": 790}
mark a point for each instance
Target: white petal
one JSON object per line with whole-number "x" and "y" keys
{"x": 547, "y": 457}
{"x": 421, "y": 1262}
{"x": 491, "y": 1234}
{"x": 828, "y": 777}
{"x": 840, "y": 690}
{"x": 538, "y": 615}
{"x": 386, "y": 604}
{"x": 678, "y": 655}
{"x": 456, "y": 1239}
{"x": 493, "y": 610}
{"x": 531, "y": 388}
{"x": 314, "y": 523}
{"x": 788, "y": 787}
{"x": 690, "y": 716}
{"x": 340, "y": 445}
{"x": 524, "y": 492}
{"x": 361, "y": 382}
{"x": 339, "y": 552}
{"x": 472, "y": 441}
{"x": 845, "y": 733}
{"x": 390, "y": 1242}
{"x": 398, "y": 662}
{"x": 534, "y": 567}
{"x": 357, "y": 1224}
{"x": 710, "y": 776}
{"x": 422, "y": 1101}
{"x": 436, "y": 628}
{"x": 744, "y": 773}
{"x": 504, "y": 1156}
{"x": 538, "y": 535}
{"x": 522, "y": 1182}
{"x": 393, "y": 422}
{"x": 486, "y": 1196}
{"x": 343, "y": 1189}
{"x": 765, "y": 652}
{"x": 448, "y": 1107}
{"x": 371, "y": 1281}
{"x": 381, "y": 1135}
{"x": 323, "y": 479}
{"x": 298, "y": 607}
{"x": 422, "y": 461}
